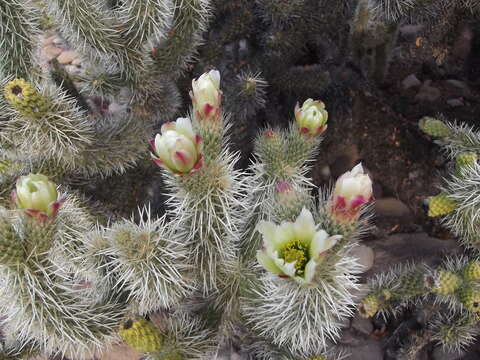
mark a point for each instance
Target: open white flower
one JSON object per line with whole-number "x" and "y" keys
{"x": 206, "y": 95}
{"x": 352, "y": 189}
{"x": 178, "y": 149}
{"x": 311, "y": 117}
{"x": 294, "y": 249}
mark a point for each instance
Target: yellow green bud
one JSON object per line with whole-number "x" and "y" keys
{"x": 434, "y": 127}
{"x": 141, "y": 335}
{"x": 441, "y": 205}
{"x": 369, "y": 305}
{"x": 446, "y": 282}
{"x": 469, "y": 296}
{"x": 465, "y": 160}
{"x": 471, "y": 271}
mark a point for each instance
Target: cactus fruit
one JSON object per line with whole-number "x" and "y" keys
{"x": 369, "y": 305}
{"x": 471, "y": 271}
{"x": 434, "y": 127}
{"x": 446, "y": 282}
{"x": 465, "y": 160}
{"x": 440, "y": 205}
{"x": 142, "y": 335}
{"x": 469, "y": 296}
{"x": 21, "y": 95}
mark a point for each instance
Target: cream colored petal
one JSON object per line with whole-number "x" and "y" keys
{"x": 318, "y": 244}
{"x": 310, "y": 270}
{"x": 304, "y": 226}
{"x": 284, "y": 233}
{"x": 287, "y": 268}
{"x": 268, "y": 263}
{"x": 184, "y": 127}
{"x": 267, "y": 229}
{"x": 215, "y": 77}
{"x": 357, "y": 170}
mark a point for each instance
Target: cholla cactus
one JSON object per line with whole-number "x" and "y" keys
{"x": 452, "y": 289}
{"x": 71, "y": 286}
{"x": 54, "y": 127}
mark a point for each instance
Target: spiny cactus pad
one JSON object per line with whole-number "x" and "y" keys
{"x": 465, "y": 160}
{"x": 469, "y": 296}
{"x": 471, "y": 271}
{"x": 369, "y": 305}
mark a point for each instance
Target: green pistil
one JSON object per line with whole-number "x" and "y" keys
{"x": 298, "y": 252}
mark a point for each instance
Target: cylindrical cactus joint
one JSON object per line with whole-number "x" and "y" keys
{"x": 441, "y": 205}
{"x": 141, "y": 335}
{"x": 21, "y": 95}
{"x": 434, "y": 127}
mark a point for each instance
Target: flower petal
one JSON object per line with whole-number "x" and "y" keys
{"x": 267, "y": 229}
{"x": 268, "y": 263}
{"x": 304, "y": 226}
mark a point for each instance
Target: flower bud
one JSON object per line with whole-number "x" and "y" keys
{"x": 206, "y": 95}
{"x": 352, "y": 189}
{"x": 37, "y": 195}
{"x": 434, "y": 127}
{"x": 440, "y": 205}
{"x": 178, "y": 149}
{"x": 311, "y": 117}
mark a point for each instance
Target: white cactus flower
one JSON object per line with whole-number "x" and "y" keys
{"x": 177, "y": 148}
{"x": 294, "y": 249}
{"x": 206, "y": 95}
{"x": 352, "y": 189}
{"x": 311, "y": 117}
{"x": 36, "y": 194}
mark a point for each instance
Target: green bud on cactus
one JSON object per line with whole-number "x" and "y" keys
{"x": 471, "y": 271}
{"x": 21, "y": 95}
{"x": 469, "y": 296}
{"x": 441, "y": 205}
{"x": 36, "y": 195}
{"x": 311, "y": 117}
{"x": 369, "y": 305}
{"x": 434, "y": 127}
{"x": 141, "y": 335}
{"x": 465, "y": 160}
{"x": 446, "y": 282}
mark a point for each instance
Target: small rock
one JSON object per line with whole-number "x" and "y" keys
{"x": 369, "y": 350}
{"x": 391, "y": 207}
{"x": 77, "y": 61}
{"x": 51, "y": 52}
{"x": 455, "y": 102}
{"x": 401, "y": 248}
{"x": 66, "y": 57}
{"x": 439, "y": 353}
{"x": 411, "y": 81}
{"x": 365, "y": 256}
{"x": 410, "y": 31}
{"x": 458, "y": 83}
{"x": 428, "y": 93}
{"x": 362, "y": 325}
{"x": 47, "y": 40}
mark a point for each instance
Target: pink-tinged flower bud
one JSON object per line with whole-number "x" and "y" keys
{"x": 311, "y": 117}
{"x": 37, "y": 196}
{"x": 178, "y": 149}
{"x": 352, "y": 190}
{"x": 206, "y": 95}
